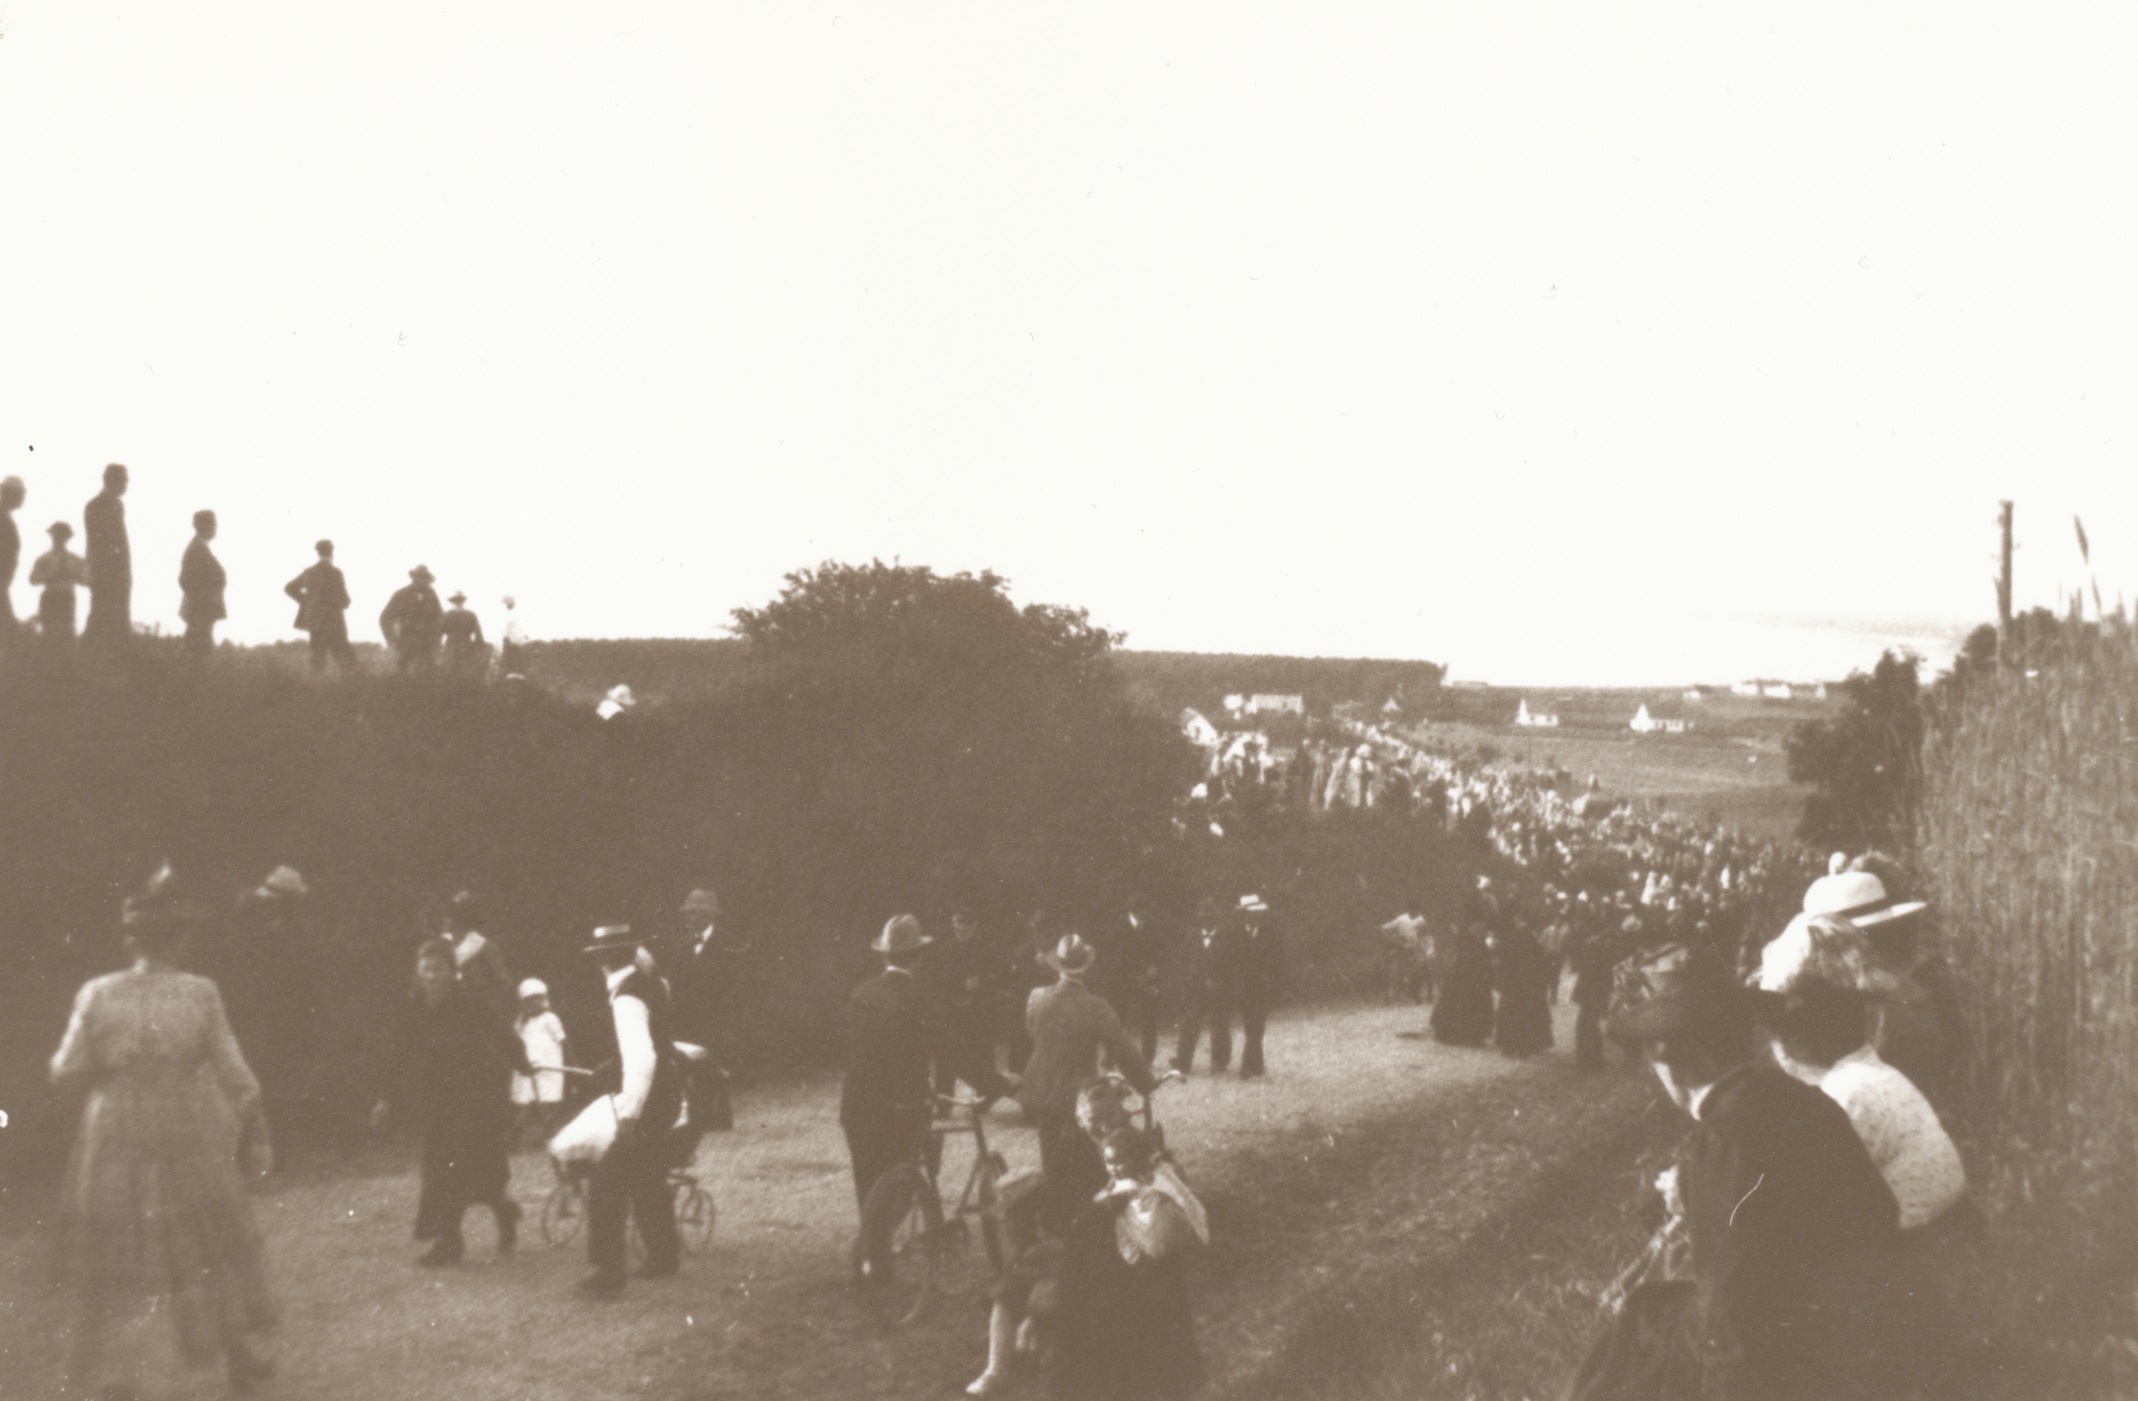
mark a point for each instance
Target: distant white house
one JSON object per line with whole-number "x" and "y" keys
{"x": 1778, "y": 690}
{"x": 1818, "y": 691}
{"x": 1534, "y": 719}
{"x": 1235, "y": 703}
{"x": 1391, "y": 706}
{"x": 1694, "y": 695}
{"x": 1644, "y": 723}
{"x": 1266, "y": 703}
{"x": 1199, "y": 730}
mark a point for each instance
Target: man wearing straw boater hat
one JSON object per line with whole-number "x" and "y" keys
{"x": 893, "y": 1031}
{"x": 631, "y": 1181}
{"x": 1070, "y": 1026}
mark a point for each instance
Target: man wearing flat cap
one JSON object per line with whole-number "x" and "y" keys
{"x": 703, "y": 965}
{"x": 631, "y": 1181}
{"x": 893, "y": 1030}
{"x": 322, "y": 597}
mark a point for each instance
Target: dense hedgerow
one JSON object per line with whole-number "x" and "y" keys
{"x": 893, "y": 739}
{"x": 2029, "y": 829}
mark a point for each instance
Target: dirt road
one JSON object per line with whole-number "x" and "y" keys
{"x": 1366, "y": 1145}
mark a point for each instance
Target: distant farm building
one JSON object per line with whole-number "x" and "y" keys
{"x": 1645, "y": 722}
{"x": 1269, "y": 704}
{"x": 1534, "y": 719}
{"x": 1778, "y": 690}
{"x": 1391, "y": 706}
{"x": 1694, "y": 695}
{"x": 1818, "y": 691}
{"x": 1235, "y": 703}
{"x": 1746, "y": 688}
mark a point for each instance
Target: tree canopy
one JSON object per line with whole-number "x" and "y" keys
{"x": 1865, "y": 763}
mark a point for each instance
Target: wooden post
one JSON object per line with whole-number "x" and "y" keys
{"x": 2004, "y": 580}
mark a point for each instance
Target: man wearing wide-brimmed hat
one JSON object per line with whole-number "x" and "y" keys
{"x": 413, "y": 622}
{"x": 1071, "y": 1025}
{"x": 893, "y": 1031}
{"x": 631, "y": 1181}
{"x": 1794, "y": 1234}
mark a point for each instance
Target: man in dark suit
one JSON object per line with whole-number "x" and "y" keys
{"x": 1207, "y": 988}
{"x": 703, "y": 968}
{"x": 963, "y": 974}
{"x": 631, "y": 1181}
{"x": 201, "y": 582}
{"x": 111, "y": 562}
{"x": 893, "y": 1031}
{"x": 1258, "y": 957}
{"x": 322, "y": 608}
{"x": 1794, "y": 1233}
{"x": 413, "y": 622}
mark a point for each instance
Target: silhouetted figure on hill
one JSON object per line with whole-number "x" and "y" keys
{"x": 322, "y": 610}
{"x": 201, "y": 582}
{"x": 12, "y": 494}
{"x": 465, "y": 649}
{"x": 57, "y": 572}
{"x": 111, "y": 562}
{"x": 414, "y": 622}
{"x": 512, "y": 645}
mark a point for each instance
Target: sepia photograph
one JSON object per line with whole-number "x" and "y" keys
{"x": 839, "y": 701}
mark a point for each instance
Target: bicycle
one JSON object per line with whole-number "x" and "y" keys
{"x": 564, "y": 1209}
{"x": 909, "y": 1248}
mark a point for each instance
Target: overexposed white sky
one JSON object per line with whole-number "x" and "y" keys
{"x": 1558, "y": 342}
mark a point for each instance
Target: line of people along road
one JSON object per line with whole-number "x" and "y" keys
{"x": 424, "y": 633}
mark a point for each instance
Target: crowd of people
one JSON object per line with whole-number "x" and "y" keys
{"x": 423, "y": 633}
{"x": 1818, "y": 1188}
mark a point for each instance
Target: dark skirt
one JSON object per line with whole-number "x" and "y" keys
{"x": 1523, "y": 1023}
{"x": 463, "y": 1163}
{"x": 1463, "y": 1015}
{"x": 1125, "y": 1332}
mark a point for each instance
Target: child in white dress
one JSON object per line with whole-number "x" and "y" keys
{"x": 540, "y": 1096}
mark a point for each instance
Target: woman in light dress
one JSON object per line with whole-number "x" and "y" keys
{"x": 154, "y": 1215}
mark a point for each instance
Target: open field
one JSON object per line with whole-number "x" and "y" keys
{"x": 1729, "y": 766}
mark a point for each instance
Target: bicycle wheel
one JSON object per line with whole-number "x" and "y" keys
{"x": 901, "y": 1239}
{"x": 694, "y": 1216}
{"x": 563, "y": 1210}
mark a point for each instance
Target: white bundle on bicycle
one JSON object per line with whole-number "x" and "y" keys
{"x": 586, "y": 1140}
{"x": 1163, "y": 1220}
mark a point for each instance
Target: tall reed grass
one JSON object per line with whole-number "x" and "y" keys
{"x": 2030, "y": 845}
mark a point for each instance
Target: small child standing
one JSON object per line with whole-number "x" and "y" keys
{"x": 540, "y": 1096}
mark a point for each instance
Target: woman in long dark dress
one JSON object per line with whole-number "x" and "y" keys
{"x": 1522, "y": 972}
{"x": 452, "y": 1072}
{"x": 1463, "y": 1015}
{"x": 1125, "y": 1331}
{"x": 154, "y": 1212}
